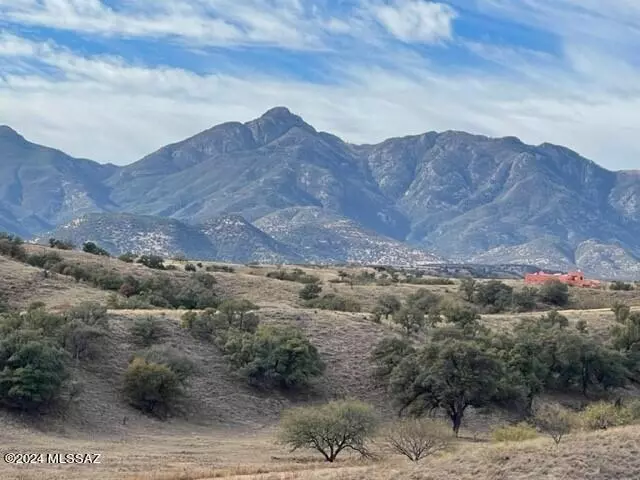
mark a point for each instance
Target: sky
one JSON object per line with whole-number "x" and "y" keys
{"x": 113, "y": 80}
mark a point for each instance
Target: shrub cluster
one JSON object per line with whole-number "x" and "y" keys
{"x": 295, "y": 275}
{"x": 619, "y": 285}
{"x": 35, "y": 347}
{"x": 60, "y": 244}
{"x": 331, "y": 301}
{"x": 92, "y": 248}
{"x": 495, "y": 296}
{"x": 164, "y": 292}
{"x": 12, "y": 246}
{"x": 219, "y": 268}
{"x": 267, "y": 356}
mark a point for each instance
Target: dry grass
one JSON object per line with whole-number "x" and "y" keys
{"x": 242, "y": 455}
{"x": 226, "y": 429}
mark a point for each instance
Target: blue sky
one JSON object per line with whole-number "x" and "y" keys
{"x": 113, "y": 80}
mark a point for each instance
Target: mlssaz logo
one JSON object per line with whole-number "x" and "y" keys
{"x": 73, "y": 458}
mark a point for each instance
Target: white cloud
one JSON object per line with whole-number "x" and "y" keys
{"x": 416, "y": 20}
{"x": 118, "y": 112}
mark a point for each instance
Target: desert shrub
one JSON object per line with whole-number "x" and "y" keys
{"x": 619, "y": 285}
{"x": 388, "y": 305}
{"x": 170, "y": 267}
{"x": 410, "y": 319}
{"x": 514, "y": 433}
{"x": 296, "y": 275}
{"x": 146, "y": 331}
{"x": 155, "y": 262}
{"x": 525, "y": 300}
{"x": 188, "y": 319}
{"x": 12, "y": 246}
{"x": 388, "y": 354}
{"x": 310, "y": 291}
{"x": 555, "y": 421}
{"x": 329, "y": 428}
{"x": 90, "y": 313}
{"x": 46, "y": 260}
{"x": 423, "y": 300}
{"x": 106, "y": 280}
{"x": 92, "y": 248}
{"x": 179, "y": 363}
{"x": 417, "y": 438}
{"x": 219, "y": 268}
{"x": 464, "y": 317}
{"x": 4, "y": 305}
{"x": 237, "y": 313}
{"x": 130, "y": 286}
{"x": 274, "y": 356}
{"x": 494, "y": 295}
{"x": 555, "y": 293}
{"x": 60, "y": 244}
{"x": 428, "y": 281}
{"x": 602, "y": 415}
{"x": 37, "y": 305}
{"x": 81, "y": 340}
{"x": 190, "y": 267}
{"x": 331, "y": 301}
{"x": 468, "y": 288}
{"x": 151, "y": 387}
{"x": 32, "y": 370}
{"x": 127, "y": 257}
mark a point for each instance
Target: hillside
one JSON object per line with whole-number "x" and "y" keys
{"x": 221, "y": 416}
{"x": 451, "y": 195}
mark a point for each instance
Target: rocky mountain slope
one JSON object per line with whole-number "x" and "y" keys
{"x": 455, "y": 195}
{"x": 231, "y": 238}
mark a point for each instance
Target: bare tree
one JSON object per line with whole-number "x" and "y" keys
{"x": 417, "y": 438}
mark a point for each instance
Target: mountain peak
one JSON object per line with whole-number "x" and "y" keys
{"x": 7, "y": 132}
{"x": 275, "y": 123}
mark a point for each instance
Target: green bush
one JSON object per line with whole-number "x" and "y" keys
{"x": 219, "y": 268}
{"x": 494, "y": 295}
{"x": 619, "y": 285}
{"x": 514, "y": 433}
{"x": 32, "y": 370}
{"x": 296, "y": 275}
{"x": 330, "y": 428}
{"x": 146, "y": 331}
{"x": 179, "y": 363}
{"x": 12, "y": 246}
{"x": 554, "y": 292}
{"x": 310, "y": 291}
{"x": 60, "y": 244}
{"x": 45, "y": 260}
{"x": 155, "y": 262}
{"x": 92, "y": 248}
{"x": 81, "y": 340}
{"x": 428, "y": 281}
{"x": 152, "y": 387}
{"x": 331, "y": 301}
{"x": 273, "y": 356}
{"x": 190, "y": 267}
{"x": 602, "y": 415}
{"x": 90, "y": 313}
{"x": 388, "y": 305}
{"x": 127, "y": 257}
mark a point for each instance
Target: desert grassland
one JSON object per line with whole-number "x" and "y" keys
{"x": 228, "y": 430}
{"x": 604, "y": 455}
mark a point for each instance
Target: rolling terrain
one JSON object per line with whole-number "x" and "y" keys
{"x": 222, "y": 418}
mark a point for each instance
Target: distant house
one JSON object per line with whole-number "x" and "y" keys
{"x": 575, "y": 279}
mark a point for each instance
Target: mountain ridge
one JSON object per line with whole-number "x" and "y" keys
{"x": 458, "y": 195}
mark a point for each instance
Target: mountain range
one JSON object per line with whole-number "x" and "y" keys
{"x": 276, "y": 189}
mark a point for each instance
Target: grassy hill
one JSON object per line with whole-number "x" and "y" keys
{"x": 225, "y": 428}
